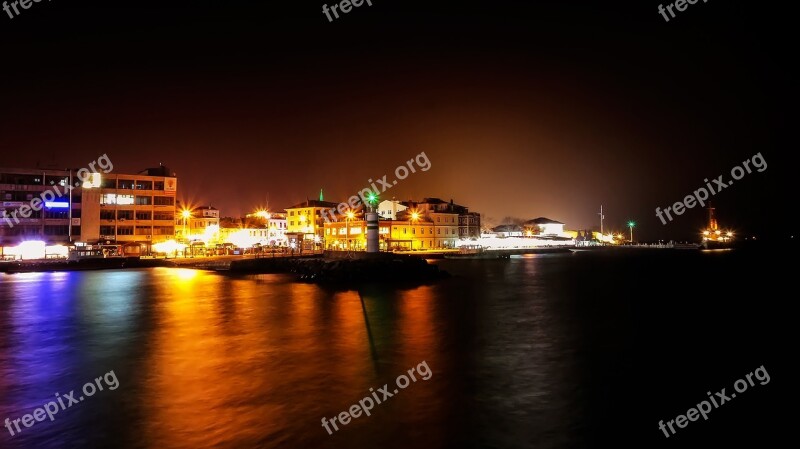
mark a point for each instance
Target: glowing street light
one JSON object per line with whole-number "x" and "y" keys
{"x": 186, "y": 214}
{"x": 372, "y": 200}
{"x": 631, "y": 224}
{"x": 415, "y": 219}
{"x": 349, "y": 217}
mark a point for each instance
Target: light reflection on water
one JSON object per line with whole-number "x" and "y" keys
{"x": 206, "y": 360}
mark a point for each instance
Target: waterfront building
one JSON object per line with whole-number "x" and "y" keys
{"x": 508, "y": 230}
{"x": 200, "y": 223}
{"x": 305, "y": 223}
{"x": 393, "y": 235}
{"x": 132, "y": 211}
{"x": 388, "y": 209}
{"x": 468, "y": 223}
{"x": 277, "y": 225}
{"x": 543, "y": 227}
{"x": 411, "y": 231}
{"x": 54, "y": 222}
{"x": 274, "y": 222}
{"x": 136, "y": 211}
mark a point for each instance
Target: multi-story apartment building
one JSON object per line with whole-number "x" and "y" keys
{"x": 410, "y": 231}
{"x": 24, "y": 216}
{"x": 305, "y": 223}
{"x": 278, "y": 226}
{"x": 136, "y": 211}
{"x": 351, "y": 235}
{"x": 133, "y": 211}
{"x": 469, "y": 223}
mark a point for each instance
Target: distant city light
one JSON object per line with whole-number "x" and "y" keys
{"x": 56, "y": 205}
{"x": 170, "y": 246}
{"x": 262, "y": 214}
{"x": 243, "y": 239}
{"x": 31, "y": 249}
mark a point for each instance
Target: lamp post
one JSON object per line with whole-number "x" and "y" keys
{"x": 414, "y": 220}
{"x": 349, "y": 217}
{"x": 186, "y": 214}
{"x": 631, "y": 224}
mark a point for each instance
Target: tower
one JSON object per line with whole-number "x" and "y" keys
{"x": 712, "y": 220}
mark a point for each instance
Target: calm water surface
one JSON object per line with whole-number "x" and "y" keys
{"x": 535, "y": 352}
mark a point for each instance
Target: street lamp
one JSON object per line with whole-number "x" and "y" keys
{"x": 631, "y": 224}
{"x": 186, "y": 214}
{"x": 415, "y": 220}
{"x": 350, "y": 215}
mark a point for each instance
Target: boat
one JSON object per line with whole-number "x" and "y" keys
{"x": 713, "y": 236}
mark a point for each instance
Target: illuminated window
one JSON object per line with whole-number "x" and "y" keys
{"x": 113, "y": 198}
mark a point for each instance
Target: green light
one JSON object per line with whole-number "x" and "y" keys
{"x": 372, "y": 198}
{"x": 631, "y": 224}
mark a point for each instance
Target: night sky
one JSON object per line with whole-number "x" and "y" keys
{"x": 524, "y": 108}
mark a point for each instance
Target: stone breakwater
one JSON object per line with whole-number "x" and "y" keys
{"x": 335, "y": 268}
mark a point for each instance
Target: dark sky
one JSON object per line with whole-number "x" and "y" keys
{"x": 523, "y": 108}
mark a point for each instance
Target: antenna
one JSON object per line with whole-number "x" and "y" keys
{"x": 601, "y": 219}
